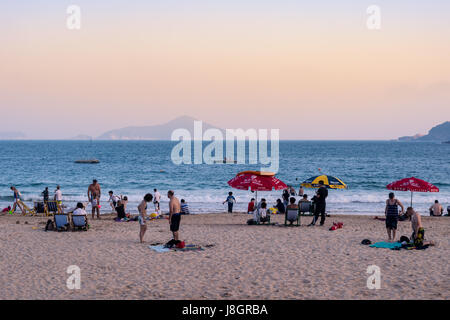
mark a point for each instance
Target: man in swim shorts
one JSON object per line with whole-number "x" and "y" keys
{"x": 416, "y": 223}
{"x": 94, "y": 193}
{"x": 174, "y": 214}
{"x": 142, "y": 218}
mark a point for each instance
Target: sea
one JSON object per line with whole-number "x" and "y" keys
{"x": 134, "y": 168}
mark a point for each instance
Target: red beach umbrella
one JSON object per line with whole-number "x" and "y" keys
{"x": 412, "y": 184}
{"x": 256, "y": 181}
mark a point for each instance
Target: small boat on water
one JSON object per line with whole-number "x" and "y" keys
{"x": 226, "y": 160}
{"x": 87, "y": 161}
{"x": 446, "y": 142}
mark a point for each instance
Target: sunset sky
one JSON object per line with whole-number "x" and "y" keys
{"x": 310, "y": 68}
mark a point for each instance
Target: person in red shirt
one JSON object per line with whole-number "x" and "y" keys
{"x": 251, "y": 206}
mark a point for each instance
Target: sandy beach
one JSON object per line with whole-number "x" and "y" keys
{"x": 245, "y": 262}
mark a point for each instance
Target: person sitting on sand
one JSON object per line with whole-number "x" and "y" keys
{"x": 251, "y": 206}
{"x": 258, "y": 206}
{"x": 174, "y": 214}
{"x": 142, "y": 218}
{"x": 418, "y": 235}
{"x": 436, "y": 209}
{"x": 184, "y": 207}
{"x": 280, "y": 206}
{"x": 16, "y": 200}
{"x": 392, "y": 215}
{"x": 261, "y": 214}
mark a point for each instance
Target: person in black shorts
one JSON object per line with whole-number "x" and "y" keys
{"x": 174, "y": 215}
{"x": 392, "y": 215}
{"x": 320, "y": 204}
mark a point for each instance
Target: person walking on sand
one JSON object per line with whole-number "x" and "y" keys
{"x": 321, "y": 195}
{"x": 391, "y": 212}
{"x": 436, "y": 209}
{"x": 142, "y": 218}
{"x": 16, "y": 200}
{"x": 94, "y": 193}
{"x": 174, "y": 214}
{"x": 58, "y": 199}
{"x": 230, "y": 200}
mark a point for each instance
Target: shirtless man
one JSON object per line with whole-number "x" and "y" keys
{"x": 94, "y": 193}
{"x": 418, "y": 231}
{"x": 436, "y": 209}
{"x": 174, "y": 214}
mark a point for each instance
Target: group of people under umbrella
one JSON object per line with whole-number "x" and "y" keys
{"x": 266, "y": 181}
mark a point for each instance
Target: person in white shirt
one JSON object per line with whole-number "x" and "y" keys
{"x": 113, "y": 199}
{"x": 58, "y": 199}
{"x": 156, "y": 200}
{"x": 80, "y": 211}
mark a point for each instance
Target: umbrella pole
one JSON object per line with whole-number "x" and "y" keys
{"x": 411, "y": 197}
{"x": 256, "y": 196}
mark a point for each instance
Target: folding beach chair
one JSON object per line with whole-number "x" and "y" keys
{"x": 26, "y": 209}
{"x": 61, "y": 222}
{"x": 50, "y": 206}
{"x": 292, "y": 215}
{"x": 305, "y": 208}
{"x": 79, "y": 222}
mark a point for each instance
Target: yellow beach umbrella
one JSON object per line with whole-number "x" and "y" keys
{"x": 328, "y": 181}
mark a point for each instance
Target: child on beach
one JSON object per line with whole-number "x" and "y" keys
{"x": 230, "y": 200}
{"x": 251, "y": 206}
{"x": 184, "y": 207}
{"x": 142, "y": 209}
{"x": 113, "y": 199}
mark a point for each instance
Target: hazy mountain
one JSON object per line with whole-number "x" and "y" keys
{"x": 156, "y": 132}
{"x": 81, "y": 137}
{"x": 440, "y": 132}
{"x": 11, "y": 135}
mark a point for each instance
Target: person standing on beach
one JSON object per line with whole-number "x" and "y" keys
{"x": 301, "y": 191}
{"x": 58, "y": 199}
{"x": 156, "y": 200}
{"x": 142, "y": 218}
{"x": 391, "y": 212}
{"x": 174, "y": 214}
{"x": 45, "y": 194}
{"x": 285, "y": 197}
{"x": 321, "y": 195}
{"x": 16, "y": 200}
{"x": 94, "y": 193}
{"x": 230, "y": 200}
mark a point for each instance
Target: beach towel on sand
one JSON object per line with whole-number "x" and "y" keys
{"x": 387, "y": 245}
{"x": 188, "y": 247}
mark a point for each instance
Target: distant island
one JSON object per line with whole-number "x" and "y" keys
{"x": 440, "y": 133}
{"x": 156, "y": 132}
{"x": 11, "y": 135}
